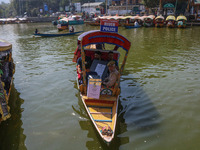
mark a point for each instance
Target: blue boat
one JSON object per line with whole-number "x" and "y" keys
{"x": 130, "y": 27}
{"x": 55, "y": 35}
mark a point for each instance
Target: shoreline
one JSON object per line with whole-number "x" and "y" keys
{"x": 50, "y": 19}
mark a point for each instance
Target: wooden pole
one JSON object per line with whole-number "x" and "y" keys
{"x": 160, "y": 5}
{"x": 188, "y": 6}
{"x": 83, "y": 69}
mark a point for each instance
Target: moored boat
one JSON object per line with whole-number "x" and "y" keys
{"x": 75, "y": 20}
{"x": 159, "y": 21}
{"x": 95, "y": 22}
{"x": 63, "y": 24}
{"x": 170, "y": 21}
{"x": 7, "y": 69}
{"x": 149, "y": 21}
{"x": 101, "y": 102}
{"x": 132, "y": 22}
{"x": 181, "y": 21}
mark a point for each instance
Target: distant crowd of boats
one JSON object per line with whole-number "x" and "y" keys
{"x": 13, "y": 20}
{"x": 146, "y": 21}
{"x": 128, "y": 22}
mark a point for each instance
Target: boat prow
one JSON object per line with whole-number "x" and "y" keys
{"x": 103, "y": 114}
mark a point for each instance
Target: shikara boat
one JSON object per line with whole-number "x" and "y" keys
{"x": 170, "y": 21}
{"x": 132, "y": 22}
{"x": 55, "y": 35}
{"x": 181, "y": 21}
{"x": 7, "y": 69}
{"x": 100, "y": 102}
{"x": 94, "y": 22}
{"x": 71, "y": 20}
{"x": 75, "y": 20}
{"x": 63, "y": 24}
{"x": 149, "y": 21}
{"x": 159, "y": 21}
{"x": 120, "y": 19}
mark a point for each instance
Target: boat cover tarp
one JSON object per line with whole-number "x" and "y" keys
{"x": 4, "y": 45}
{"x": 98, "y": 37}
{"x": 181, "y": 18}
{"x": 170, "y": 18}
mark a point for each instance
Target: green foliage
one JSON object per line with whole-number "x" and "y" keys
{"x": 4, "y": 10}
{"x": 1, "y": 72}
{"x": 1, "y": 95}
{"x": 151, "y": 3}
{"x": 32, "y": 7}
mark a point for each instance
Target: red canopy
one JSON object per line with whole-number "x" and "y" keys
{"x": 98, "y": 37}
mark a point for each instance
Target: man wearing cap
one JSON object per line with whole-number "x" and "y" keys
{"x": 113, "y": 74}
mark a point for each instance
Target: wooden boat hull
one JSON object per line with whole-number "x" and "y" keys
{"x": 55, "y": 35}
{"x": 8, "y": 69}
{"x": 181, "y": 26}
{"x": 62, "y": 27}
{"x": 159, "y": 25}
{"x": 170, "y": 25}
{"x": 76, "y": 22}
{"x": 148, "y": 24}
{"x": 103, "y": 113}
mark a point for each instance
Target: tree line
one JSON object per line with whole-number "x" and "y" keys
{"x": 32, "y": 7}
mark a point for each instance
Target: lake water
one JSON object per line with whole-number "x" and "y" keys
{"x": 159, "y": 100}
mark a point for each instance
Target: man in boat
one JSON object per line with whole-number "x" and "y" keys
{"x": 72, "y": 29}
{"x": 136, "y": 24}
{"x": 111, "y": 57}
{"x": 79, "y": 65}
{"x": 113, "y": 75}
{"x": 97, "y": 55}
{"x": 89, "y": 74}
{"x": 36, "y": 31}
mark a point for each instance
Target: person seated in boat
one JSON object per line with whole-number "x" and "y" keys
{"x": 72, "y": 29}
{"x": 100, "y": 46}
{"x": 97, "y": 55}
{"x": 136, "y": 24}
{"x": 36, "y": 31}
{"x": 88, "y": 72}
{"x": 111, "y": 57}
{"x": 79, "y": 65}
{"x": 113, "y": 75}
{"x": 180, "y": 23}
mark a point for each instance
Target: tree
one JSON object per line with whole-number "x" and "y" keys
{"x": 151, "y": 3}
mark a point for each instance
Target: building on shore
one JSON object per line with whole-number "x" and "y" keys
{"x": 93, "y": 8}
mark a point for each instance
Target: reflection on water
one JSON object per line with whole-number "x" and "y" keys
{"x": 11, "y": 131}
